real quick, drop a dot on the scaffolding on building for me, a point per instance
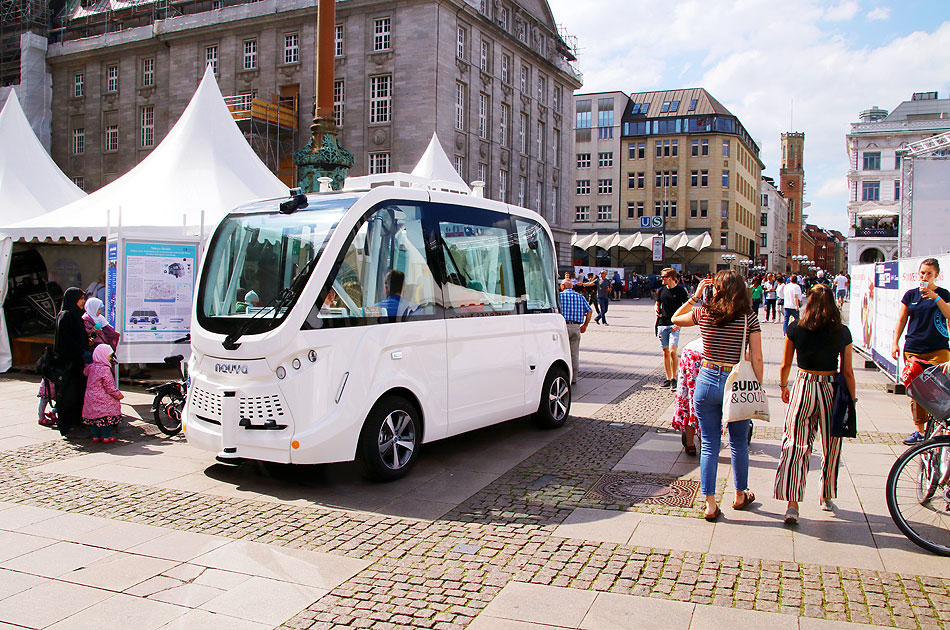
(270, 127)
(18, 17)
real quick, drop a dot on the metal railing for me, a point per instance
(876, 232)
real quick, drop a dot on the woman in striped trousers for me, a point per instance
(818, 339)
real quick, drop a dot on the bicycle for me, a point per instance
(169, 401)
(918, 486)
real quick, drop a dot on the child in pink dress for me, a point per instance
(101, 409)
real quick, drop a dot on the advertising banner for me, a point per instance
(158, 288)
(112, 279)
(875, 307)
(861, 307)
(887, 304)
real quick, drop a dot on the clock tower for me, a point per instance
(792, 186)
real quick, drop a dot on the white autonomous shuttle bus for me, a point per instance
(364, 323)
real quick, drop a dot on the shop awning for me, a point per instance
(878, 212)
(700, 242)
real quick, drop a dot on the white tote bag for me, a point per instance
(744, 397)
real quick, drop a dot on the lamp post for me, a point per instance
(323, 156)
(746, 264)
(729, 258)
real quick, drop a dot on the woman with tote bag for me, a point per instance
(818, 339)
(722, 310)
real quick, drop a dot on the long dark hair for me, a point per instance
(730, 300)
(820, 310)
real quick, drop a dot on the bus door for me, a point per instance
(484, 345)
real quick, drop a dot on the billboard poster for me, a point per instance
(861, 307)
(887, 300)
(158, 288)
(112, 278)
(876, 293)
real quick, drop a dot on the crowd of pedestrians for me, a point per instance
(726, 308)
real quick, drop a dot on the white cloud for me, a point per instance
(880, 13)
(841, 12)
(758, 57)
(832, 187)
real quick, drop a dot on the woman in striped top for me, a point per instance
(723, 315)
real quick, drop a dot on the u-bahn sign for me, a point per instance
(647, 223)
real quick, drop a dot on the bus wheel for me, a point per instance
(390, 439)
(555, 399)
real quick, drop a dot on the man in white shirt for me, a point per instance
(841, 289)
(793, 301)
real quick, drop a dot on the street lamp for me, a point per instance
(729, 258)
(745, 266)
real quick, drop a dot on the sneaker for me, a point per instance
(96, 440)
(673, 384)
(667, 382)
(913, 438)
(791, 516)
(827, 505)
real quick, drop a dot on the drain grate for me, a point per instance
(634, 489)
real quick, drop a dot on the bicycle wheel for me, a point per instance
(167, 411)
(918, 497)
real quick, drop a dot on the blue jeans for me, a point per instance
(603, 303)
(789, 313)
(708, 402)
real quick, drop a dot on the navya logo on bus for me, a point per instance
(230, 368)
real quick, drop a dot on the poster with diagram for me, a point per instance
(159, 286)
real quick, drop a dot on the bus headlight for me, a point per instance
(281, 372)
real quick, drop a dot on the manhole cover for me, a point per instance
(629, 489)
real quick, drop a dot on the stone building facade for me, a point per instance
(773, 230)
(682, 156)
(874, 171)
(492, 79)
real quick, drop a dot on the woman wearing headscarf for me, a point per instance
(97, 326)
(69, 345)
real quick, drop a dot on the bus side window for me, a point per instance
(383, 274)
(537, 261)
(479, 275)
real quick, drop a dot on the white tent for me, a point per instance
(202, 169)
(434, 165)
(30, 182)
(204, 165)
(30, 185)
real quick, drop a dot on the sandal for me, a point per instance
(689, 448)
(747, 498)
(712, 518)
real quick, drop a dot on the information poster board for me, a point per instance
(876, 292)
(861, 307)
(112, 279)
(887, 292)
(657, 249)
(158, 290)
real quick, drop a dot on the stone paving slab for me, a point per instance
(443, 568)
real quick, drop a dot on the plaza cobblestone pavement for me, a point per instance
(493, 529)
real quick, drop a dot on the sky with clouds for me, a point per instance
(803, 65)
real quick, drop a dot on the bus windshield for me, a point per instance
(258, 262)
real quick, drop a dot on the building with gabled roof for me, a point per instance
(681, 155)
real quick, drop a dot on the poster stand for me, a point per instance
(150, 289)
(876, 292)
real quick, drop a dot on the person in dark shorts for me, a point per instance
(669, 298)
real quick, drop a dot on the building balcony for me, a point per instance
(875, 232)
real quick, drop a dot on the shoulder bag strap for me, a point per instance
(745, 329)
